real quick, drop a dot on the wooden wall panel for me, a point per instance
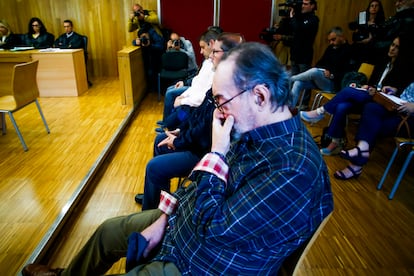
(105, 23)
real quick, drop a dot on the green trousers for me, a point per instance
(109, 243)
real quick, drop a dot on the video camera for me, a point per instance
(295, 4)
(176, 43)
(267, 34)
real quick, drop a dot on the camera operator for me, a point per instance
(152, 49)
(366, 30)
(139, 16)
(177, 43)
(304, 26)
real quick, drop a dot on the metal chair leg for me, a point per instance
(17, 131)
(43, 117)
(401, 174)
(3, 123)
(384, 175)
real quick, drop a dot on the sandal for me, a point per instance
(355, 174)
(358, 160)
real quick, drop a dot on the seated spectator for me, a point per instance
(70, 39)
(252, 202)
(198, 85)
(366, 32)
(391, 78)
(376, 122)
(153, 47)
(37, 35)
(8, 39)
(181, 109)
(328, 71)
(179, 43)
(177, 152)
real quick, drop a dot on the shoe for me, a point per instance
(336, 150)
(304, 116)
(358, 160)
(341, 176)
(40, 270)
(160, 123)
(139, 198)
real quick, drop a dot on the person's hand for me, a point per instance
(327, 73)
(169, 140)
(221, 132)
(132, 15)
(138, 41)
(389, 90)
(177, 101)
(169, 44)
(371, 90)
(406, 108)
(179, 84)
(154, 233)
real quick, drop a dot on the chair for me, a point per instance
(290, 265)
(174, 65)
(364, 68)
(23, 91)
(400, 143)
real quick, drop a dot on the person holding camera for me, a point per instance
(304, 25)
(366, 29)
(177, 43)
(152, 45)
(139, 17)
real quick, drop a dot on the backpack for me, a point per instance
(353, 77)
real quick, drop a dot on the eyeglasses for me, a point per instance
(218, 51)
(220, 106)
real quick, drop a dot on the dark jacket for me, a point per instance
(337, 61)
(402, 22)
(75, 41)
(43, 41)
(11, 41)
(304, 27)
(399, 77)
(195, 131)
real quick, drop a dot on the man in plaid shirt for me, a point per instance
(259, 194)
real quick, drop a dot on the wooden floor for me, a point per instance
(367, 234)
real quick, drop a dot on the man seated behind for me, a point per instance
(177, 43)
(329, 70)
(70, 39)
(255, 198)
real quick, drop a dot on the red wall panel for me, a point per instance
(188, 18)
(247, 19)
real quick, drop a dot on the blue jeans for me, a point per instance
(377, 122)
(312, 78)
(169, 99)
(348, 100)
(165, 165)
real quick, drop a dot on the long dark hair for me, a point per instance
(30, 28)
(380, 17)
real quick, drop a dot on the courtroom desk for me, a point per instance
(131, 75)
(61, 72)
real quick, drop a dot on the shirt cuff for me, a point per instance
(213, 163)
(168, 203)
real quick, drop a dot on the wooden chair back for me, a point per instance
(24, 84)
